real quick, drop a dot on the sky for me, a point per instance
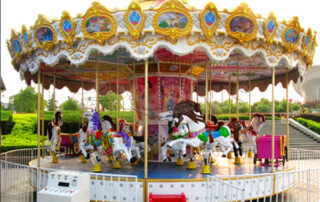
(15, 13)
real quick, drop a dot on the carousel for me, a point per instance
(167, 54)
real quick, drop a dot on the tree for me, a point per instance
(50, 106)
(26, 101)
(70, 104)
(263, 106)
(105, 101)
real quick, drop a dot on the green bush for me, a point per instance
(313, 117)
(241, 117)
(312, 125)
(6, 121)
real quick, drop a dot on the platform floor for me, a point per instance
(166, 170)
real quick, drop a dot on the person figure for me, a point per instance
(53, 132)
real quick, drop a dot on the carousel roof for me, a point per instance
(167, 33)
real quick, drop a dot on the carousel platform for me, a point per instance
(166, 170)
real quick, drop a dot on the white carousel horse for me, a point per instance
(105, 141)
(252, 131)
(188, 116)
(175, 133)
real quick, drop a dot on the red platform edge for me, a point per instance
(167, 197)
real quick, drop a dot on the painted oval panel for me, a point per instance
(26, 38)
(67, 27)
(172, 20)
(210, 18)
(16, 46)
(241, 24)
(291, 36)
(98, 24)
(134, 18)
(44, 34)
(306, 41)
(271, 26)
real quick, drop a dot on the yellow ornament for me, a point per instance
(245, 11)
(172, 30)
(133, 6)
(242, 34)
(95, 10)
(271, 41)
(134, 33)
(209, 33)
(173, 6)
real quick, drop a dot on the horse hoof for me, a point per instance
(88, 156)
(133, 159)
(224, 156)
(184, 155)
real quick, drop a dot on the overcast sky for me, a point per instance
(15, 13)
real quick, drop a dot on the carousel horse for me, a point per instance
(190, 122)
(252, 131)
(174, 133)
(136, 148)
(53, 135)
(104, 140)
(235, 127)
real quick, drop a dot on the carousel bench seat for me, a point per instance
(167, 197)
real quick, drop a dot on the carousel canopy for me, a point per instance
(174, 37)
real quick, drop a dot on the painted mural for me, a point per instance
(169, 93)
(210, 18)
(241, 24)
(67, 27)
(44, 34)
(16, 45)
(134, 18)
(172, 20)
(98, 24)
(153, 99)
(291, 36)
(271, 27)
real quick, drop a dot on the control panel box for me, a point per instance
(65, 186)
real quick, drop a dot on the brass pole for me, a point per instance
(237, 95)
(146, 120)
(54, 91)
(191, 86)
(180, 90)
(229, 96)
(273, 120)
(118, 102)
(38, 117)
(287, 95)
(82, 101)
(249, 98)
(134, 96)
(97, 85)
(207, 109)
(110, 96)
(42, 116)
(210, 89)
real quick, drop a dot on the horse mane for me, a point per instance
(108, 118)
(188, 108)
(260, 116)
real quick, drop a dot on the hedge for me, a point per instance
(6, 121)
(312, 125)
(241, 117)
(313, 117)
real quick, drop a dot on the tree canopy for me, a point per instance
(105, 101)
(70, 104)
(26, 101)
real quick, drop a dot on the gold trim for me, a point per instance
(98, 10)
(269, 38)
(177, 7)
(27, 46)
(135, 32)
(68, 39)
(41, 22)
(295, 25)
(209, 32)
(242, 11)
